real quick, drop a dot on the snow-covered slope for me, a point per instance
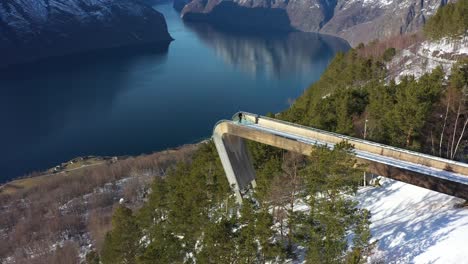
(31, 29)
(415, 225)
(421, 58)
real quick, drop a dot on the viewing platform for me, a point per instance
(430, 172)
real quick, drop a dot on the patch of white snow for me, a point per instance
(415, 225)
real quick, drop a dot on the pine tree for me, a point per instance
(219, 242)
(247, 238)
(92, 258)
(414, 102)
(155, 209)
(163, 246)
(181, 215)
(121, 244)
(330, 176)
(381, 102)
(449, 21)
(269, 250)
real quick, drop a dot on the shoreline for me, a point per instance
(32, 179)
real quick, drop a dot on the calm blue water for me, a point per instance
(127, 103)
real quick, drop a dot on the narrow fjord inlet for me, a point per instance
(141, 100)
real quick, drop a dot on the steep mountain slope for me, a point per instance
(366, 20)
(355, 20)
(32, 29)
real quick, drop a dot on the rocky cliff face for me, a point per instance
(355, 20)
(366, 20)
(34, 29)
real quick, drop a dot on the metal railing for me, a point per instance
(348, 138)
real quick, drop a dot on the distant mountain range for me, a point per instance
(354, 20)
(34, 29)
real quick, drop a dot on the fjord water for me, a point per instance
(127, 103)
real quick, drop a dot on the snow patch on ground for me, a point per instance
(424, 57)
(371, 3)
(445, 45)
(377, 2)
(415, 225)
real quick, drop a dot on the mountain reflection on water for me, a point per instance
(276, 55)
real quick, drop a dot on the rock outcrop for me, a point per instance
(35, 29)
(355, 20)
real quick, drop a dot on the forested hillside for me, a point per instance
(191, 216)
(414, 113)
(449, 21)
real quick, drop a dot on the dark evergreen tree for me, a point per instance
(449, 21)
(121, 244)
(330, 177)
(92, 258)
(248, 246)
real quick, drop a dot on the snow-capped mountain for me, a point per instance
(32, 29)
(355, 20)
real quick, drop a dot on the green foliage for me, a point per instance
(219, 242)
(335, 171)
(247, 236)
(148, 215)
(330, 102)
(449, 21)
(183, 202)
(330, 177)
(381, 101)
(265, 175)
(190, 214)
(121, 244)
(389, 54)
(459, 76)
(413, 104)
(163, 246)
(263, 229)
(92, 258)
(354, 89)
